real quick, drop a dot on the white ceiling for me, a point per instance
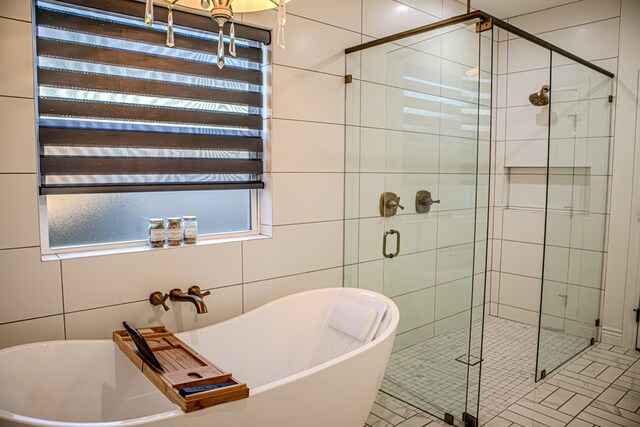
(508, 8)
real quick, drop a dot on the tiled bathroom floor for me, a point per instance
(601, 387)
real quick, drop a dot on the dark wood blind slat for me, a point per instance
(143, 87)
(105, 138)
(78, 189)
(139, 113)
(137, 34)
(128, 166)
(93, 54)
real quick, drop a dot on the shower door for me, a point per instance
(578, 176)
(417, 155)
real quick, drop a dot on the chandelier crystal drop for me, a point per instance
(222, 13)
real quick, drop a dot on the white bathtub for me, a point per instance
(296, 365)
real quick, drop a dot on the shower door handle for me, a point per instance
(384, 244)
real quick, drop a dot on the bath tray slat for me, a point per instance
(183, 367)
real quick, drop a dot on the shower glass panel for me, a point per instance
(578, 176)
(416, 206)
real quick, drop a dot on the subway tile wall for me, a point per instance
(590, 29)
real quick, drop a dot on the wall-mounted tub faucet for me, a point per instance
(157, 298)
(194, 296)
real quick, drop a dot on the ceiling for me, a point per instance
(508, 8)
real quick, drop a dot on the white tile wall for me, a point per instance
(305, 151)
(588, 28)
(19, 227)
(16, 43)
(289, 253)
(115, 279)
(18, 140)
(16, 9)
(306, 141)
(36, 283)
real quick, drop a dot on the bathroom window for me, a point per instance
(130, 129)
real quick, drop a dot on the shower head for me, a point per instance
(540, 99)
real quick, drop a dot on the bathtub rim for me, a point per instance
(388, 333)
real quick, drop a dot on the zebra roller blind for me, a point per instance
(121, 112)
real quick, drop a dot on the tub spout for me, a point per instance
(194, 296)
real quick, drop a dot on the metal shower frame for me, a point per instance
(486, 22)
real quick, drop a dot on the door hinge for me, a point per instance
(348, 78)
(469, 420)
(597, 322)
(448, 418)
(593, 341)
(485, 25)
(637, 310)
(610, 98)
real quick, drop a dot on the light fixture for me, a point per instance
(222, 11)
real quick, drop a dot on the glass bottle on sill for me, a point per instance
(156, 232)
(174, 231)
(190, 225)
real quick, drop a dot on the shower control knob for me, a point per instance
(393, 204)
(424, 201)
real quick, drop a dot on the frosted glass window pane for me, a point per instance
(88, 219)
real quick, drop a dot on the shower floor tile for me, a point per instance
(428, 376)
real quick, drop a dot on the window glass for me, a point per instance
(89, 219)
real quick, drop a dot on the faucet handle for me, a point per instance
(195, 290)
(157, 298)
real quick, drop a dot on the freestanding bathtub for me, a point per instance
(301, 371)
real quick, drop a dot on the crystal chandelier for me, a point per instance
(222, 12)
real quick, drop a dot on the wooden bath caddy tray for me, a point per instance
(183, 367)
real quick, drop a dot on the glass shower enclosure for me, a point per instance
(417, 191)
(578, 175)
(418, 206)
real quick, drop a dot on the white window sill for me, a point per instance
(136, 247)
